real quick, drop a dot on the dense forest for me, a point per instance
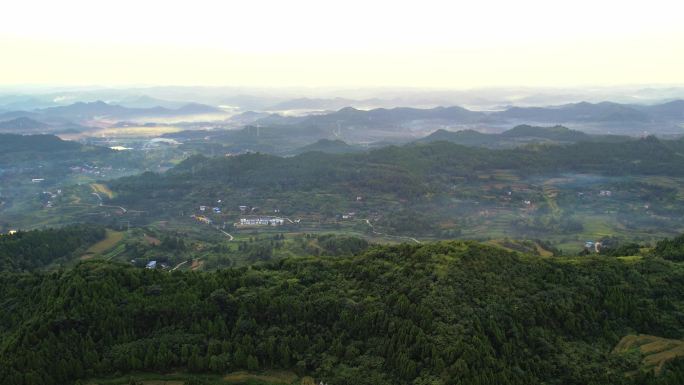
(672, 249)
(29, 250)
(442, 313)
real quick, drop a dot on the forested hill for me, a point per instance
(16, 148)
(406, 171)
(25, 251)
(38, 143)
(439, 314)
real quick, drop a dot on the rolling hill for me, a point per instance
(440, 313)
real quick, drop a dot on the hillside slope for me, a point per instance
(443, 313)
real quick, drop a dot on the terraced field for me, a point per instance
(655, 351)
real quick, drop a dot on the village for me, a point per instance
(248, 216)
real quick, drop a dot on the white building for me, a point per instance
(262, 221)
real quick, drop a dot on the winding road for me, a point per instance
(389, 235)
(230, 237)
(104, 205)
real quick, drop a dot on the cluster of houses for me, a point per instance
(50, 196)
(154, 265)
(88, 169)
(602, 193)
(246, 220)
(216, 210)
(262, 221)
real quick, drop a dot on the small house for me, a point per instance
(151, 265)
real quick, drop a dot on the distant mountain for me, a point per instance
(594, 117)
(246, 118)
(381, 117)
(26, 102)
(144, 101)
(519, 135)
(312, 104)
(330, 104)
(194, 109)
(330, 146)
(671, 110)
(9, 115)
(400, 115)
(578, 112)
(556, 133)
(23, 124)
(100, 109)
(86, 110)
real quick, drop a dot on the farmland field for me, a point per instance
(112, 239)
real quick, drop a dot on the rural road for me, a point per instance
(230, 237)
(388, 235)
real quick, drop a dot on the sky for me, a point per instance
(343, 43)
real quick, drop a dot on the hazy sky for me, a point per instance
(425, 43)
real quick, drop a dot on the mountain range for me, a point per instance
(602, 117)
(519, 135)
(71, 117)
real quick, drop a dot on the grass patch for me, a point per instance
(274, 377)
(236, 378)
(631, 258)
(102, 189)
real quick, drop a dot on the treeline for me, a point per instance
(438, 314)
(29, 250)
